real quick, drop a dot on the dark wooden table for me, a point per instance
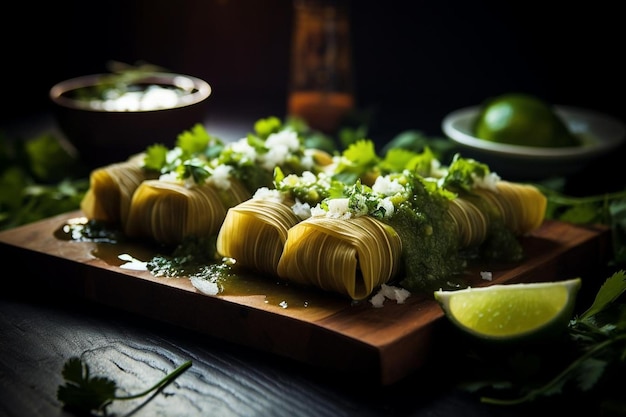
(40, 329)
(40, 332)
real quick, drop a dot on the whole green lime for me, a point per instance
(522, 119)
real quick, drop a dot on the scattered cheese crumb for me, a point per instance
(338, 208)
(487, 276)
(386, 186)
(242, 147)
(302, 210)
(204, 286)
(280, 146)
(317, 211)
(220, 177)
(268, 194)
(133, 264)
(489, 181)
(378, 300)
(389, 292)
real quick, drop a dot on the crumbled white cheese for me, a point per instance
(171, 177)
(378, 300)
(243, 148)
(387, 205)
(386, 186)
(307, 161)
(302, 210)
(287, 138)
(338, 208)
(205, 286)
(220, 177)
(486, 275)
(268, 194)
(280, 146)
(317, 211)
(391, 293)
(133, 264)
(395, 293)
(488, 182)
(308, 177)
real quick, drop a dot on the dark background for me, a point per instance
(414, 61)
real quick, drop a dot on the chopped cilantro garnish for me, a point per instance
(463, 172)
(156, 157)
(265, 127)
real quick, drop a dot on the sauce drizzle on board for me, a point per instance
(381, 345)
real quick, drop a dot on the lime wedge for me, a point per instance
(511, 311)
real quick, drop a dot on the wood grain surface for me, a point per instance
(382, 345)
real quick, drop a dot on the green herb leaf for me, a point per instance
(194, 140)
(83, 393)
(39, 178)
(462, 172)
(356, 161)
(265, 127)
(156, 157)
(610, 291)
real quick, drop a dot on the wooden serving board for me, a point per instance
(382, 344)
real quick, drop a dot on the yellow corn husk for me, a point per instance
(111, 189)
(471, 222)
(522, 207)
(254, 233)
(168, 212)
(348, 256)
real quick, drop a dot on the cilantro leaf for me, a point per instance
(359, 159)
(610, 291)
(156, 157)
(194, 140)
(265, 127)
(462, 172)
(83, 393)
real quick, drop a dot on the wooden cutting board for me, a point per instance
(381, 344)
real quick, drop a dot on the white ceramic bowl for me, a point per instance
(599, 133)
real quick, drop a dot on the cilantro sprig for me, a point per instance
(83, 393)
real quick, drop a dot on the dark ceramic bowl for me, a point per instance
(138, 112)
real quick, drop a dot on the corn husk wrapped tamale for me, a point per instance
(254, 233)
(168, 212)
(347, 256)
(520, 208)
(111, 189)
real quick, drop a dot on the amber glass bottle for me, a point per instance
(321, 84)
